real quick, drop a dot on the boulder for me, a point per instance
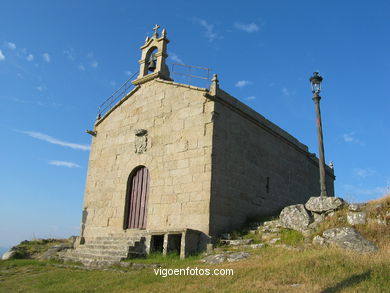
(9, 254)
(321, 204)
(356, 218)
(51, 253)
(295, 217)
(348, 238)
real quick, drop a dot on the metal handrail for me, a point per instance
(118, 94)
(190, 75)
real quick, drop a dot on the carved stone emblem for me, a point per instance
(141, 141)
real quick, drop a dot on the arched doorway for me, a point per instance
(137, 199)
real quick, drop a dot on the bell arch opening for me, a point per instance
(137, 195)
(151, 60)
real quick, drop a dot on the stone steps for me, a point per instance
(105, 250)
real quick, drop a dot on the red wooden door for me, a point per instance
(138, 203)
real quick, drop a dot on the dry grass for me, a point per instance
(267, 270)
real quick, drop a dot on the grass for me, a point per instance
(171, 259)
(268, 269)
(291, 237)
(33, 248)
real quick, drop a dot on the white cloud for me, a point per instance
(11, 45)
(249, 27)
(64, 164)
(251, 98)
(363, 173)
(286, 92)
(53, 140)
(70, 54)
(46, 57)
(81, 67)
(175, 58)
(375, 192)
(209, 31)
(350, 138)
(30, 57)
(128, 73)
(94, 64)
(242, 83)
(2, 57)
(40, 88)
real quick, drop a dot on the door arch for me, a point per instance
(136, 207)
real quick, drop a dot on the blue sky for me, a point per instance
(60, 59)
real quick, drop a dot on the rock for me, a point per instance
(273, 241)
(222, 257)
(214, 259)
(318, 240)
(237, 256)
(51, 253)
(273, 223)
(355, 207)
(377, 221)
(9, 254)
(289, 247)
(348, 238)
(236, 242)
(295, 217)
(225, 236)
(254, 246)
(329, 214)
(318, 218)
(356, 218)
(322, 204)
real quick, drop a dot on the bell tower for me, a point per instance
(153, 55)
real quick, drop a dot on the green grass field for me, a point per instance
(267, 270)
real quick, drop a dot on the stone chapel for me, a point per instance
(173, 165)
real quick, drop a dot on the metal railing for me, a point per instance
(192, 72)
(116, 96)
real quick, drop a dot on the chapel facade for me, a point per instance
(173, 159)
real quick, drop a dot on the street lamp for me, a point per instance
(315, 81)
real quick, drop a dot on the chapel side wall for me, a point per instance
(178, 156)
(244, 156)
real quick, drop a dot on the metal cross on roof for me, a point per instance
(156, 27)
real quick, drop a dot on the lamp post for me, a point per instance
(315, 81)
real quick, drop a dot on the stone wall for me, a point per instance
(258, 168)
(178, 155)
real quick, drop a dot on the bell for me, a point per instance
(152, 63)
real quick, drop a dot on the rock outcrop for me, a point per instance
(323, 204)
(348, 238)
(295, 217)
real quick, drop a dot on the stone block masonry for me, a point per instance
(177, 155)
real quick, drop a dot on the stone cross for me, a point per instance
(156, 27)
